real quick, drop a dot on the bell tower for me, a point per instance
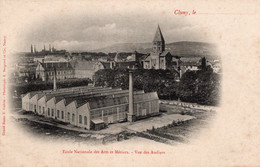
(158, 41)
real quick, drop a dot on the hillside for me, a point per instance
(183, 48)
(125, 47)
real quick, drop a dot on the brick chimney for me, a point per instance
(130, 115)
(54, 80)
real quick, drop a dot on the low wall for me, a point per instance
(185, 104)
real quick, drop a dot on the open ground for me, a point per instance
(175, 124)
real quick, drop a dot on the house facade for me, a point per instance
(45, 71)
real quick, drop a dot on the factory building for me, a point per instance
(92, 107)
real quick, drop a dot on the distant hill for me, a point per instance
(183, 48)
(125, 47)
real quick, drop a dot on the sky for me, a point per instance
(93, 30)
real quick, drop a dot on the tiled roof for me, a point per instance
(85, 65)
(63, 90)
(57, 65)
(73, 97)
(97, 121)
(190, 61)
(75, 93)
(110, 100)
(164, 53)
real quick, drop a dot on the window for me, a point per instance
(52, 112)
(43, 110)
(68, 116)
(85, 120)
(58, 113)
(62, 114)
(80, 119)
(39, 108)
(48, 111)
(153, 62)
(73, 117)
(35, 108)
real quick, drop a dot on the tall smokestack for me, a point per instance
(131, 116)
(31, 48)
(49, 47)
(35, 49)
(54, 80)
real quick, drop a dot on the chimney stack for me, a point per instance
(54, 80)
(49, 47)
(35, 49)
(31, 48)
(130, 115)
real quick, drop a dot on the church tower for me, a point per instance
(158, 41)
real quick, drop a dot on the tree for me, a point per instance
(188, 86)
(200, 87)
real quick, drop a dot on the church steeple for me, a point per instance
(158, 41)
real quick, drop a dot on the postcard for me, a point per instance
(129, 83)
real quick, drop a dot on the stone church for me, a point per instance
(158, 58)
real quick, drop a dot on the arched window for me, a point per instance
(73, 117)
(80, 119)
(85, 120)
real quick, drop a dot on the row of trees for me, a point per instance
(200, 87)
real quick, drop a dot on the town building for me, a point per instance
(159, 58)
(39, 59)
(45, 71)
(92, 107)
(215, 65)
(192, 64)
(86, 69)
(50, 58)
(125, 60)
(25, 70)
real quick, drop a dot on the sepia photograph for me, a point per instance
(129, 81)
